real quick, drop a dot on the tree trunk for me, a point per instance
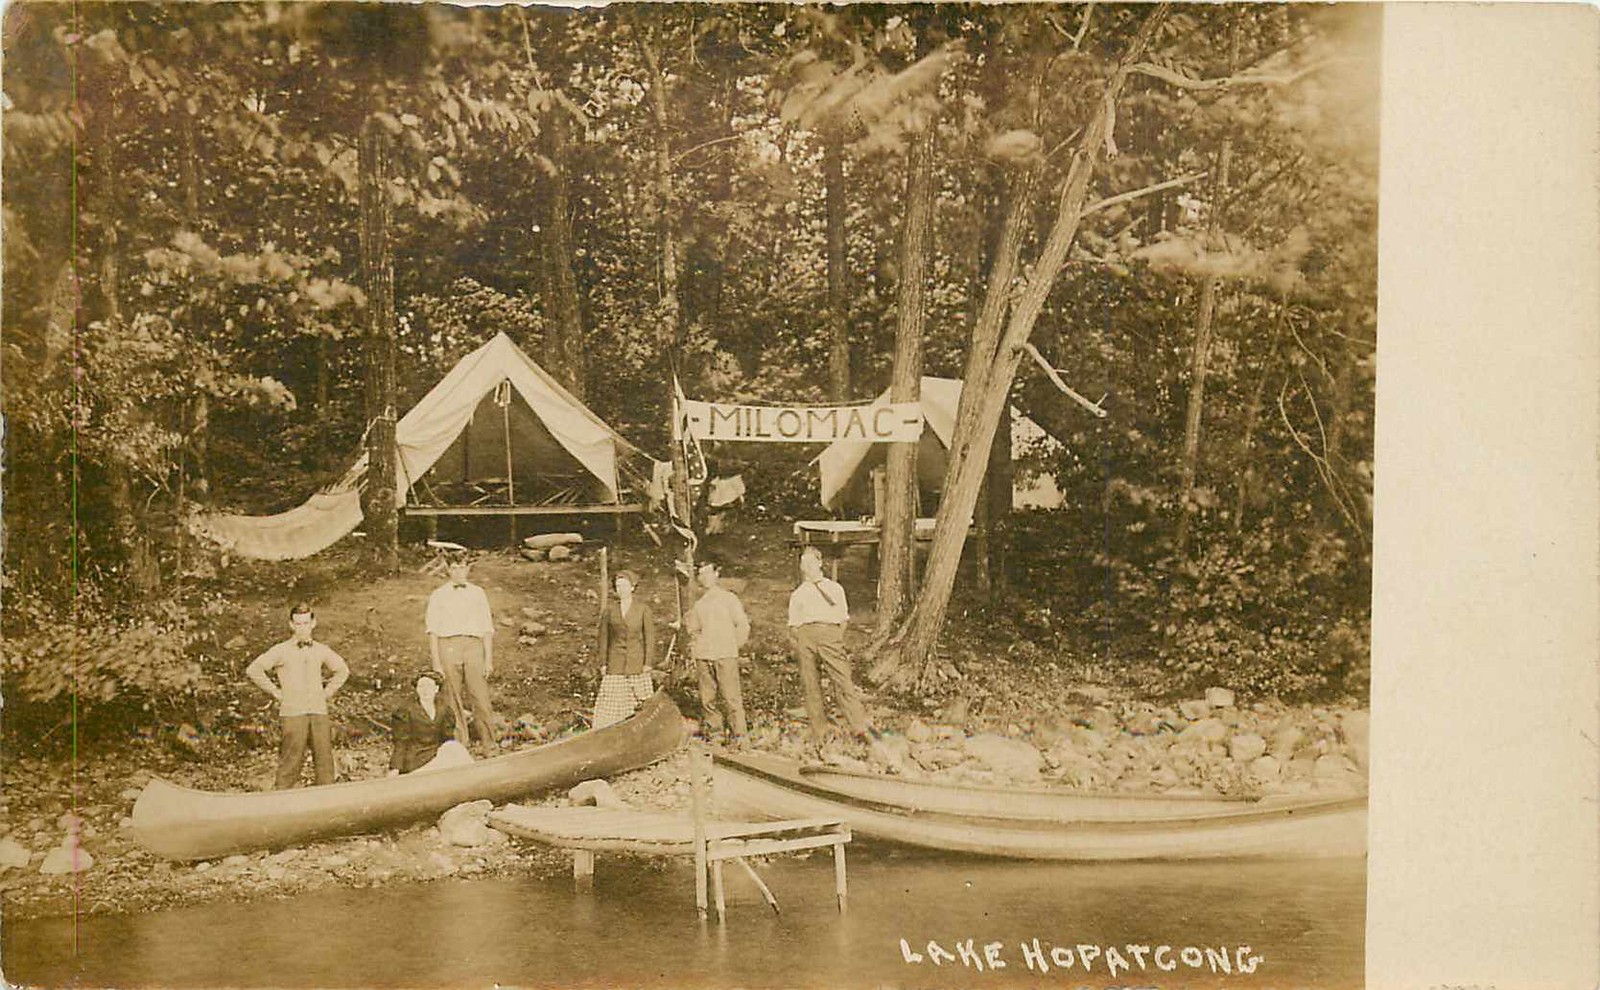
(197, 446)
(898, 542)
(1252, 418)
(669, 307)
(987, 391)
(564, 345)
(377, 269)
(1200, 359)
(838, 296)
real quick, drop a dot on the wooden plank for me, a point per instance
(767, 847)
(521, 510)
(838, 874)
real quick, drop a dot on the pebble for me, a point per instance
(1219, 697)
(236, 860)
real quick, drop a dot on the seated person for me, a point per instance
(422, 734)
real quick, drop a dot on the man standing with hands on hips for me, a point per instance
(302, 697)
(461, 644)
(818, 613)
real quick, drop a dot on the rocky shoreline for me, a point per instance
(57, 818)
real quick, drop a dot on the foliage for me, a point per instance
(197, 342)
(101, 656)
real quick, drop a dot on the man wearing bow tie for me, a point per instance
(461, 644)
(302, 697)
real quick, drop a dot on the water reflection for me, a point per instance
(639, 927)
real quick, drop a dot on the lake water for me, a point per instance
(638, 927)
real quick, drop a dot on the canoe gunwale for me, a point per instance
(1251, 815)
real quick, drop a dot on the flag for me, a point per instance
(694, 459)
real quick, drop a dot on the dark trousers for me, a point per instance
(722, 675)
(297, 729)
(823, 643)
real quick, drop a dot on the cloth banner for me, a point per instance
(878, 422)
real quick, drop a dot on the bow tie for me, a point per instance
(304, 646)
(462, 585)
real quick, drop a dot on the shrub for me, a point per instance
(98, 656)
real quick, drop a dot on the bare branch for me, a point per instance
(1248, 77)
(1055, 378)
(1083, 28)
(680, 156)
(1137, 193)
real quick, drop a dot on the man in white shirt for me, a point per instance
(461, 644)
(302, 697)
(818, 613)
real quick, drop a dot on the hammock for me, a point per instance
(322, 521)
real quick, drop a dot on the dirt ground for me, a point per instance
(1089, 730)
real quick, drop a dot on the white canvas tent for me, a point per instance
(846, 465)
(495, 417)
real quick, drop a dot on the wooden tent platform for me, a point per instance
(588, 830)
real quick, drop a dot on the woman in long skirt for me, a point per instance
(627, 649)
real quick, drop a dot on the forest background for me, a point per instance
(236, 235)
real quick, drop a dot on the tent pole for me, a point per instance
(511, 478)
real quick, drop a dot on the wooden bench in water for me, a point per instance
(588, 830)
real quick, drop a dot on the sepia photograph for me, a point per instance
(693, 495)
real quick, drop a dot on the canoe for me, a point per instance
(1044, 804)
(186, 824)
(1308, 826)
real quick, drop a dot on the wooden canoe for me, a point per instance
(186, 824)
(1044, 804)
(1302, 827)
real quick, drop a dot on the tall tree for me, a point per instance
(897, 540)
(996, 350)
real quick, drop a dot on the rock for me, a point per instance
(595, 792)
(1246, 747)
(13, 854)
(545, 541)
(69, 822)
(285, 856)
(1218, 697)
(1194, 711)
(236, 643)
(125, 823)
(1088, 740)
(890, 751)
(560, 553)
(918, 731)
(1207, 730)
(937, 757)
(1286, 741)
(955, 713)
(236, 860)
(131, 794)
(1265, 769)
(335, 860)
(276, 872)
(1355, 728)
(531, 628)
(69, 857)
(202, 867)
(1094, 692)
(533, 555)
(465, 825)
(1009, 757)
